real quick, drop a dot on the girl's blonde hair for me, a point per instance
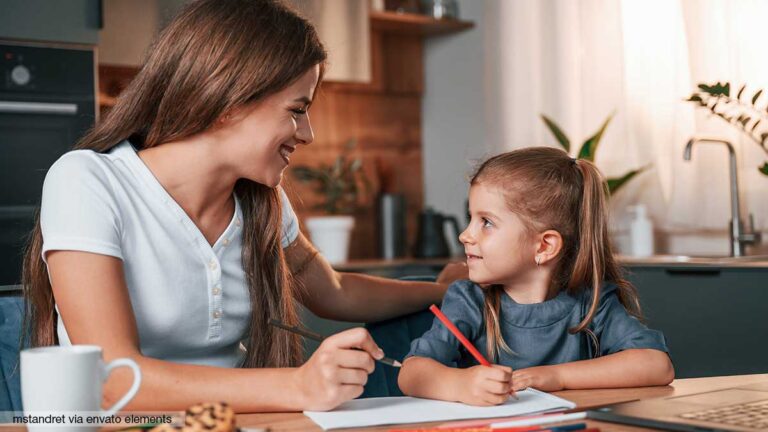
(549, 190)
(216, 55)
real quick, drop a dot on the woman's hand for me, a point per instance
(338, 370)
(486, 385)
(544, 378)
(453, 272)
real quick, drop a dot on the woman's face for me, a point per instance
(259, 139)
(498, 247)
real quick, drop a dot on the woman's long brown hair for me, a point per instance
(551, 191)
(216, 55)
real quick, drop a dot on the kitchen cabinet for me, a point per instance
(72, 21)
(715, 319)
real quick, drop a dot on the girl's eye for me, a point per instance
(487, 223)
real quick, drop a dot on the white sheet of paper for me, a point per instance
(401, 410)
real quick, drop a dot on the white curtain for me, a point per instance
(579, 61)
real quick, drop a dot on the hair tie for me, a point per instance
(573, 160)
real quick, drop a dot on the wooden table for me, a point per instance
(584, 399)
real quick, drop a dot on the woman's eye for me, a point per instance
(298, 112)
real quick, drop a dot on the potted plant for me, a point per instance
(637, 240)
(741, 111)
(342, 185)
(589, 149)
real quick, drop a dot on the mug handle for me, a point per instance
(123, 362)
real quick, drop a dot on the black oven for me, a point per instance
(47, 102)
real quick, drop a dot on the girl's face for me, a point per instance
(498, 247)
(259, 139)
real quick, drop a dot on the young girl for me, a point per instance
(546, 301)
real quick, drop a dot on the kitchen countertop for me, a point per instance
(660, 261)
(681, 261)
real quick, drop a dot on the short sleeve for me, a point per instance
(290, 223)
(618, 330)
(78, 209)
(463, 305)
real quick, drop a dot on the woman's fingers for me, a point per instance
(351, 391)
(356, 338)
(352, 376)
(355, 359)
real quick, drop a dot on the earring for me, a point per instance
(538, 260)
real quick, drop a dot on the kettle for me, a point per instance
(430, 239)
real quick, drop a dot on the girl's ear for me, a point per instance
(549, 245)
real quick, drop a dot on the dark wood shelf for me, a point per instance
(414, 24)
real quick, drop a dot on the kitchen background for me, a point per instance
(423, 99)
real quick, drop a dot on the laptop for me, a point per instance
(742, 408)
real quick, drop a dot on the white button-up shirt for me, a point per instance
(190, 299)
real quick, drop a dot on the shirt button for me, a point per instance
(212, 264)
(216, 290)
(217, 314)
(238, 222)
(226, 242)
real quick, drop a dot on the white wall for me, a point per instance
(453, 130)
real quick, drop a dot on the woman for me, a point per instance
(166, 237)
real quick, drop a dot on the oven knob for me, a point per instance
(20, 75)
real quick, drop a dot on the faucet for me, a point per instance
(739, 237)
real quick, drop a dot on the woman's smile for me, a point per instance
(285, 153)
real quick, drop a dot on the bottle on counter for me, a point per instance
(640, 232)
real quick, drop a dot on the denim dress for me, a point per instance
(536, 333)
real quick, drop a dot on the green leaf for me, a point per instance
(741, 90)
(764, 169)
(589, 148)
(694, 98)
(614, 184)
(756, 96)
(557, 132)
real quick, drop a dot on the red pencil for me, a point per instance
(464, 341)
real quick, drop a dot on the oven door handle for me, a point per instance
(12, 107)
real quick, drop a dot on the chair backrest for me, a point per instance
(394, 336)
(11, 313)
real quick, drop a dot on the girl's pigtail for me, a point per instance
(594, 249)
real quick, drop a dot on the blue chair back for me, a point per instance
(11, 313)
(394, 336)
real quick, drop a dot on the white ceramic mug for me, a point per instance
(69, 379)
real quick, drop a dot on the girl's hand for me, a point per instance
(544, 378)
(338, 370)
(485, 385)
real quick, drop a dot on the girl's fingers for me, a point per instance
(520, 384)
(495, 399)
(500, 373)
(498, 388)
